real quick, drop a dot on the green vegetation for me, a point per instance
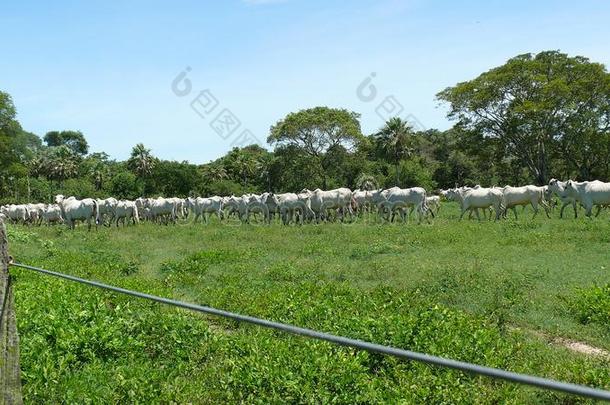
(533, 118)
(497, 294)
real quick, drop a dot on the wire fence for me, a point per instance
(540, 382)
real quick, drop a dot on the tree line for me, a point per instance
(535, 117)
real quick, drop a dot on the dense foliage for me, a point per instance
(463, 290)
(535, 117)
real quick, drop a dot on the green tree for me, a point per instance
(141, 162)
(395, 142)
(74, 140)
(538, 106)
(315, 131)
(62, 164)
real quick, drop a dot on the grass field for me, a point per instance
(507, 294)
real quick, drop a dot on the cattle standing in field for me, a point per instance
(35, 212)
(434, 204)
(398, 198)
(73, 210)
(559, 189)
(589, 194)
(16, 213)
(125, 212)
(321, 202)
(525, 195)
(202, 207)
(292, 206)
(106, 210)
(52, 215)
(474, 198)
(163, 210)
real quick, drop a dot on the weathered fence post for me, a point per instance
(10, 379)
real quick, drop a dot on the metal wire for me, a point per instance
(540, 382)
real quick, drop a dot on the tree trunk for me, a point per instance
(398, 174)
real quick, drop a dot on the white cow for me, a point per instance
(258, 204)
(524, 195)
(589, 193)
(559, 189)
(399, 198)
(237, 205)
(35, 212)
(201, 207)
(17, 213)
(434, 204)
(292, 205)
(339, 199)
(106, 210)
(73, 210)
(163, 209)
(181, 208)
(362, 200)
(52, 214)
(473, 198)
(126, 211)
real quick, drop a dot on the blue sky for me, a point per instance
(106, 68)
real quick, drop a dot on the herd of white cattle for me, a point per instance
(314, 206)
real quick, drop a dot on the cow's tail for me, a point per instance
(96, 212)
(424, 205)
(136, 215)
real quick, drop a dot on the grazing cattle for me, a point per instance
(181, 206)
(473, 198)
(163, 209)
(559, 189)
(292, 205)
(258, 204)
(52, 214)
(589, 194)
(35, 212)
(16, 213)
(434, 204)
(106, 210)
(399, 198)
(201, 207)
(525, 195)
(238, 205)
(126, 211)
(73, 210)
(321, 201)
(362, 201)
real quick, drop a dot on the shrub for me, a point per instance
(592, 305)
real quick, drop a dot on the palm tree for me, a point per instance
(395, 141)
(263, 166)
(245, 166)
(214, 172)
(141, 162)
(62, 164)
(366, 182)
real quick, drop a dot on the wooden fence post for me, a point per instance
(10, 378)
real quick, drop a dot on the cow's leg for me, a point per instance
(599, 208)
(535, 208)
(588, 209)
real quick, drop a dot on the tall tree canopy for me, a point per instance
(141, 161)
(394, 141)
(315, 131)
(74, 140)
(318, 129)
(540, 106)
